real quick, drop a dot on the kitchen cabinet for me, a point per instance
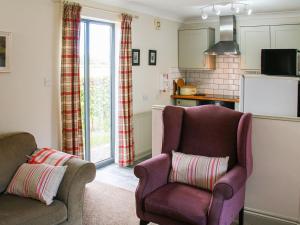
(252, 40)
(285, 36)
(192, 44)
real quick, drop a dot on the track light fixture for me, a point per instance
(235, 6)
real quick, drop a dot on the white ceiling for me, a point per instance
(188, 9)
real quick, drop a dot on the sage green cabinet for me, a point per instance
(252, 41)
(255, 38)
(285, 36)
(192, 44)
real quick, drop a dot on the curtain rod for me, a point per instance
(104, 10)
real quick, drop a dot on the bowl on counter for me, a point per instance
(188, 90)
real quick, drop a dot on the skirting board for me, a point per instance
(143, 155)
(258, 218)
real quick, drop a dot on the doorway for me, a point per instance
(97, 69)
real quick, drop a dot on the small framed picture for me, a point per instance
(5, 45)
(135, 57)
(152, 57)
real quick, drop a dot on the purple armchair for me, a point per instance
(205, 130)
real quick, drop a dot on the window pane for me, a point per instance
(82, 76)
(100, 91)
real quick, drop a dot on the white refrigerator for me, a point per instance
(269, 95)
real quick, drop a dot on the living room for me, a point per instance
(103, 100)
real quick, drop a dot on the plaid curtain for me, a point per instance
(126, 144)
(70, 81)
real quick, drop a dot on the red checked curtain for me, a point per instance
(70, 81)
(126, 144)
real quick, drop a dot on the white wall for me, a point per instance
(26, 103)
(274, 187)
(146, 78)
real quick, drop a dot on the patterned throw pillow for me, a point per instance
(199, 171)
(49, 156)
(37, 181)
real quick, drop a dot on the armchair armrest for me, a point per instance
(230, 183)
(71, 190)
(225, 189)
(153, 173)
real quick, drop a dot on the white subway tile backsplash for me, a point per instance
(224, 76)
(227, 71)
(228, 92)
(228, 60)
(237, 59)
(209, 91)
(237, 82)
(236, 93)
(218, 81)
(225, 80)
(219, 59)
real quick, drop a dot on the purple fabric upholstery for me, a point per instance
(180, 202)
(228, 185)
(244, 144)
(206, 130)
(153, 174)
(172, 117)
(210, 134)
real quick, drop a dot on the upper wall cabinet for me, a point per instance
(192, 44)
(252, 40)
(285, 36)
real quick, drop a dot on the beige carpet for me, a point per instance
(108, 205)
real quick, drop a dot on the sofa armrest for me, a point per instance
(71, 190)
(228, 185)
(153, 173)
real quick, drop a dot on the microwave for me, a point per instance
(280, 62)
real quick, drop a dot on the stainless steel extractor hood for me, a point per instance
(227, 44)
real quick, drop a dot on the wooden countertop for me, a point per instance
(225, 98)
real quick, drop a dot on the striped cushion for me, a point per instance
(38, 181)
(199, 171)
(49, 156)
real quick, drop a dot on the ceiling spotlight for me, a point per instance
(216, 11)
(204, 15)
(237, 10)
(249, 12)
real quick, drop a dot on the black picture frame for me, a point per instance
(136, 56)
(152, 57)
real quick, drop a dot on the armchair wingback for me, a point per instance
(211, 131)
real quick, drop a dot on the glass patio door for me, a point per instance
(97, 90)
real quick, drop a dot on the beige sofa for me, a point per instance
(67, 208)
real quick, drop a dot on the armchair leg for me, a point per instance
(241, 217)
(142, 222)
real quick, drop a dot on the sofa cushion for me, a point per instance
(13, 151)
(179, 202)
(37, 181)
(17, 210)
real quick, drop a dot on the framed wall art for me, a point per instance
(152, 57)
(5, 48)
(135, 57)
